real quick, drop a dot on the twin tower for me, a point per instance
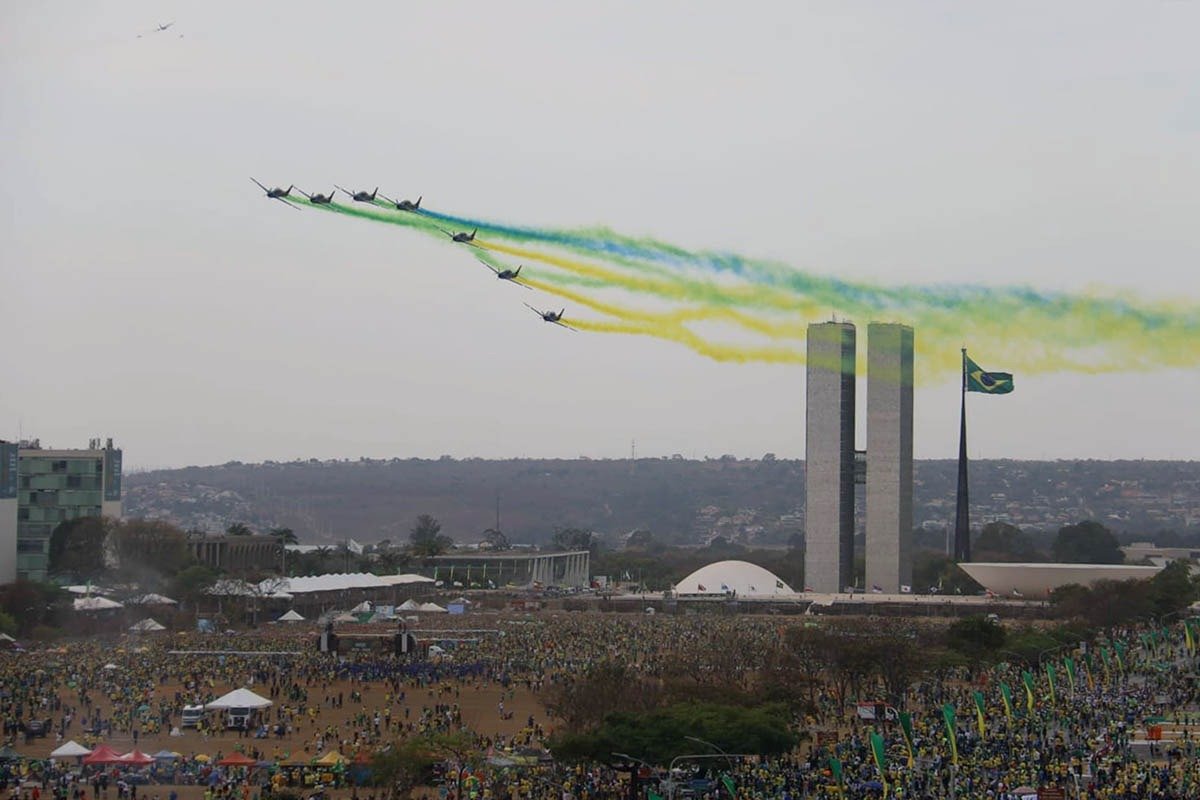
(834, 467)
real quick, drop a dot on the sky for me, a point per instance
(152, 294)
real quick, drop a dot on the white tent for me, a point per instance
(151, 599)
(147, 625)
(434, 607)
(240, 698)
(95, 604)
(71, 749)
(291, 616)
(408, 605)
(345, 618)
(362, 608)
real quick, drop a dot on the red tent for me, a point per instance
(103, 755)
(136, 757)
(237, 760)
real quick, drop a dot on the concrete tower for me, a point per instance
(889, 456)
(829, 458)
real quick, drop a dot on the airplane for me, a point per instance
(318, 199)
(551, 316)
(505, 274)
(277, 193)
(163, 27)
(362, 197)
(405, 205)
(461, 236)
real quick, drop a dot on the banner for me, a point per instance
(1006, 698)
(951, 730)
(1027, 680)
(979, 715)
(880, 753)
(906, 727)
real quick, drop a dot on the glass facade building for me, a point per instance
(55, 486)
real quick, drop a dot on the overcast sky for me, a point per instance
(151, 294)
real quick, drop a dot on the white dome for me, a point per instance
(722, 577)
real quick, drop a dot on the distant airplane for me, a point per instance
(163, 27)
(362, 197)
(277, 193)
(551, 316)
(505, 274)
(318, 199)
(465, 238)
(405, 205)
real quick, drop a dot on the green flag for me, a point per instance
(1069, 663)
(880, 754)
(653, 795)
(1006, 696)
(1050, 674)
(987, 382)
(1027, 679)
(951, 730)
(906, 727)
(835, 766)
(979, 715)
(730, 786)
(1104, 658)
(1120, 648)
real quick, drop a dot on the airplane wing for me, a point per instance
(287, 203)
(343, 191)
(489, 266)
(448, 233)
(265, 189)
(565, 325)
(388, 199)
(534, 310)
(517, 281)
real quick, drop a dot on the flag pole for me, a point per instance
(962, 514)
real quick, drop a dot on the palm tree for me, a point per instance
(238, 529)
(285, 535)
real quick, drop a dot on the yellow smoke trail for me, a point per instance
(681, 335)
(751, 322)
(758, 296)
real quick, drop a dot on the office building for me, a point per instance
(52, 487)
(829, 457)
(889, 456)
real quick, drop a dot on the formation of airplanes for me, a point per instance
(461, 237)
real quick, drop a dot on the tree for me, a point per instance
(1004, 542)
(285, 535)
(573, 539)
(977, 638)
(496, 540)
(8, 623)
(582, 702)
(1088, 542)
(77, 547)
(30, 603)
(188, 585)
(403, 766)
(238, 529)
(149, 551)
(427, 539)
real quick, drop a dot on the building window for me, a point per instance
(74, 482)
(58, 466)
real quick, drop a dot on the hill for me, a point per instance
(681, 501)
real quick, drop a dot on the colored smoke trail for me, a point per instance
(1019, 328)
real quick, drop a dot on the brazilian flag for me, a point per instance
(987, 382)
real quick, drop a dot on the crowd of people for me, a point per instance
(1085, 732)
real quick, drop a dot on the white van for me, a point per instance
(238, 718)
(192, 716)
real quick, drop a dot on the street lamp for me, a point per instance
(707, 743)
(633, 776)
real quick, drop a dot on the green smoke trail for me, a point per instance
(1031, 330)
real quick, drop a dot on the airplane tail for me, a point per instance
(418, 203)
(475, 231)
(518, 272)
(374, 192)
(289, 191)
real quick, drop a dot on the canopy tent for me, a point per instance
(103, 755)
(362, 608)
(71, 749)
(345, 618)
(291, 616)
(8, 754)
(148, 625)
(136, 756)
(166, 755)
(95, 604)
(331, 758)
(152, 599)
(109, 667)
(431, 607)
(237, 760)
(408, 605)
(240, 698)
